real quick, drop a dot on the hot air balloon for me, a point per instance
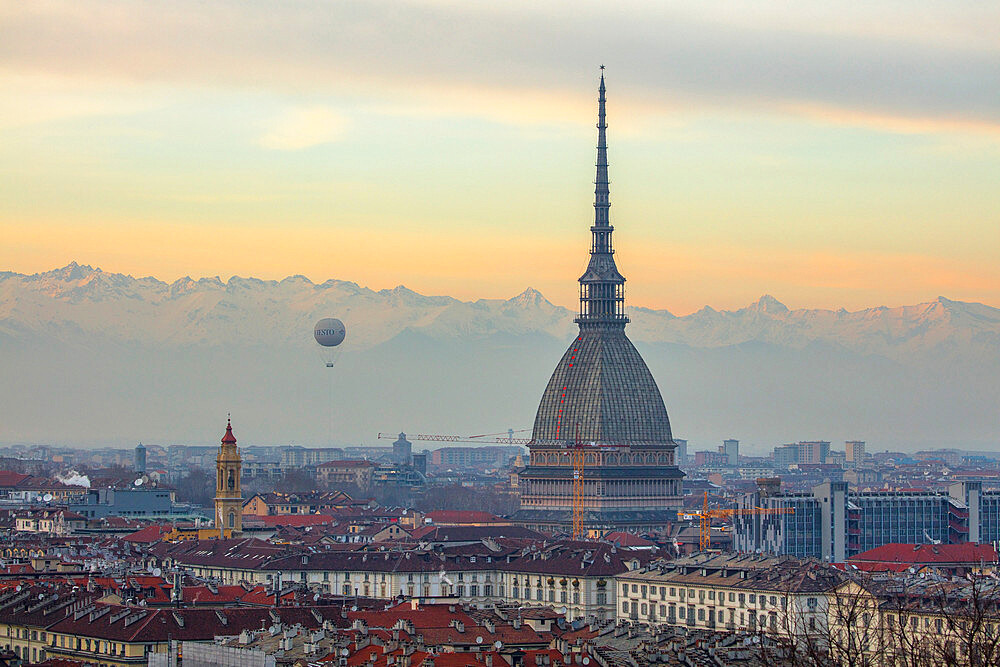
(329, 332)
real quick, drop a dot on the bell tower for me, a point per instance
(228, 495)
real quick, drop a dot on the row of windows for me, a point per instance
(741, 598)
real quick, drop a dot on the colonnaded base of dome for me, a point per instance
(631, 521)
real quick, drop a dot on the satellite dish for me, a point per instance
(586, 660)
(47, 497)
(498, 644)
(157, 572)
(138, 482)
(316, 598)
(479, 640)
(18, 588)
(344, 651)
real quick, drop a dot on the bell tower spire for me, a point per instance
(228, 493)
(602, 287)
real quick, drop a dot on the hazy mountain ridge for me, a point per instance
(89, 301)
(90, 356)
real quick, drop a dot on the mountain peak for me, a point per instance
(72, 271)
(768, 304)
(530, 297)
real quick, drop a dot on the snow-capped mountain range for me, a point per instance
(79, 300)
(468, 364)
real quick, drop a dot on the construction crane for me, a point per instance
(498, 438)
(577, 458)
(706, 515)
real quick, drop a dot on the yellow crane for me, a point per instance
(706, 515)
(576, 457)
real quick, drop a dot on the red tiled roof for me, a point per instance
(928, 553)
(295, 519)
(628, 540)
(11, 478)
(461, 516)
(149, 534)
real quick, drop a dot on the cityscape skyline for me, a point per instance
(833, 156)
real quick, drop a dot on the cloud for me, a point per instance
(915, 62)
(304, 127)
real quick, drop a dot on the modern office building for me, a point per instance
(785, 455)
(603, 399)
(681, 453)
(731, 448)
(140, 459)
(812, 452)
(833, 523)
(855, 452)
(133, 503)
(299, 457)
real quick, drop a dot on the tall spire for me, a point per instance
(602, 203)
(602, 287)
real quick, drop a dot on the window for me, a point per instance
(711, 595)
(642, 591)
(753, 598)
(701, 613)
(774, 600)
(732, 597)
(576, 597)
(635, 588)
(625, 606)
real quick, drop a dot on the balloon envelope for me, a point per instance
(329, 332)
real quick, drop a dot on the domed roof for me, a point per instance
(602, 384)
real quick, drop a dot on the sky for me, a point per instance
(833, 154)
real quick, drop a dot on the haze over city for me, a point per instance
(833, 157)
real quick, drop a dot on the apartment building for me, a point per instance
(832, 523)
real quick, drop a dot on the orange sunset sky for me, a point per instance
(831, 154)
